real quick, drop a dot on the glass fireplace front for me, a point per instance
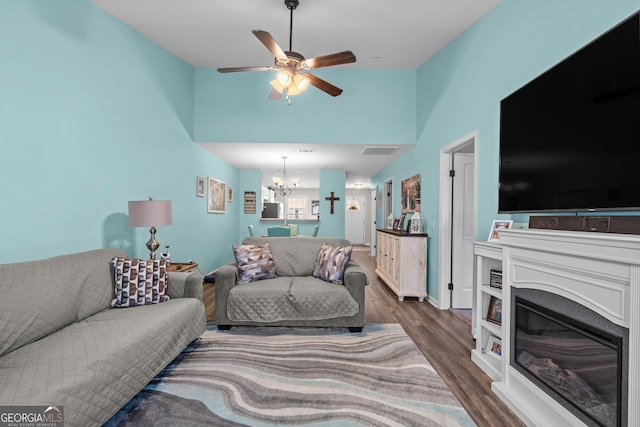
(577, 364)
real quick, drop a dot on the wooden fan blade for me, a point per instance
(328, 60)
(275, 94)
(270, 43)
(323, 85)
(241, 69)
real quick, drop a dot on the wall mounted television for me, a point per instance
(570, 138)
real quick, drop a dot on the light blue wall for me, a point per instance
(93, 115)
(332, 225)
(459, 91)
(376, 107)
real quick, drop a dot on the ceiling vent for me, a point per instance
(378, 151)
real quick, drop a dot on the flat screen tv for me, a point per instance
(570, 138)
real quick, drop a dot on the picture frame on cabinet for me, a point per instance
(217, 202)
(396, 223)
(494, 347)
(401, 223)
(496, 226)
(494, 311)
(200, 186)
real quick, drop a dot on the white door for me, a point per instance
(354, 220)
(463, 231)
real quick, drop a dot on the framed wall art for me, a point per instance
(200, 186)
(230, 194)
(217, 196)
(410, 197)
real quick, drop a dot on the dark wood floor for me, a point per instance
(443, 336)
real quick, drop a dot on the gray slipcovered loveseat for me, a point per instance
(62, 344)
(295, 297)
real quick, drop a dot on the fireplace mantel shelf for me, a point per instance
(600, 271)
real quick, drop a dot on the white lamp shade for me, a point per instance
(150, 213)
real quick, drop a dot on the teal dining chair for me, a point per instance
(315, 231)
(250, 227)
(278, 231)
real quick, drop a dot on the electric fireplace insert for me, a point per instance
(572, 354)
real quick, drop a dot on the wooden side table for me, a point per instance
(182, 266)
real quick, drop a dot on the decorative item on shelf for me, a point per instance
(495, 279)
(496, 226)
(282, 185)
(166, 255)
(150, 213)
(416, 223)
(390, 221)
(332, 199)
(401, 222)
(494, 347)
(396, 223)
(494, 312)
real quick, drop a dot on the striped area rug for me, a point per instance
(297, 376)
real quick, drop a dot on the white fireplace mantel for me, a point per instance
(598, 270)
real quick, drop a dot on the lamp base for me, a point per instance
(152, 244)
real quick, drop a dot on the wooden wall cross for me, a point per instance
(332, 199)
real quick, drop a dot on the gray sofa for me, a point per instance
(294, 297)
(61, 343)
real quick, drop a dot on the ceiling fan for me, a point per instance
(293, 76)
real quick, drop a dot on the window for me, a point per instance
(297, 207)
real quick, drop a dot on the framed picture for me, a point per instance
(200, 185)
(230, 194)
(249, 202)
(401, 224)
(495, 279)
(410, 197)
(396, 223)
(315, 207)
(217, 196)
(499, 224)
(494, 347)
(494, 312)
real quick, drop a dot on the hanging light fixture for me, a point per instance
(281, 182)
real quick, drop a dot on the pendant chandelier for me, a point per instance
(282, 185)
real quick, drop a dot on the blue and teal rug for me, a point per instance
(297, 376)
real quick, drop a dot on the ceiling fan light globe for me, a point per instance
(301, 82)
(284, 78)
(277, 86)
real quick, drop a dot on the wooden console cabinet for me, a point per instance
(402, 263)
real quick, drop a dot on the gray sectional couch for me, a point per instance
(61, 343)
(294, 297)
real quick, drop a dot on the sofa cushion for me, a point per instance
(289, 298)
(95, 366)
(295, 256)
(139, 282)
(331, 262)
(254, 262)
(41, 297)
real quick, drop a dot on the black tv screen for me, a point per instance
(570, 138)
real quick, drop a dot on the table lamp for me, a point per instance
(150, 213)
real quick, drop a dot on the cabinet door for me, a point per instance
(395, 259)
(382, 251)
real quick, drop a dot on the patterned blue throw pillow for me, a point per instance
(331, 262)
(254, 262)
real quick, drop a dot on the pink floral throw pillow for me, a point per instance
(331, 263)
(139, 282)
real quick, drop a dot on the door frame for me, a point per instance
(445, 226)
